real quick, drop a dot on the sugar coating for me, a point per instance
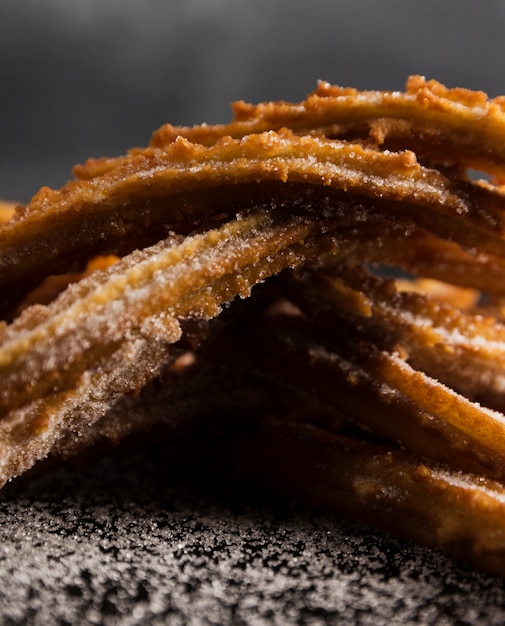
(126, 542)
(80, 354)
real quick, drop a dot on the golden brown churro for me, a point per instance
(121, 304)
(6, 211)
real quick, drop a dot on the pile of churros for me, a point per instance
(326, 277)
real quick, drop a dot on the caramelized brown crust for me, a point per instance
(456, 126)
(191, 186)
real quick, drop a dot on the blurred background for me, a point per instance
(82, 78)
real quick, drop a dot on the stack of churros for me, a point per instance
(326, 277)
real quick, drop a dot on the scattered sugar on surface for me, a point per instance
(126, 543)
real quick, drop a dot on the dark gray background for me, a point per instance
(86, 78)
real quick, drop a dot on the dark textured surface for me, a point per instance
(126, 541)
